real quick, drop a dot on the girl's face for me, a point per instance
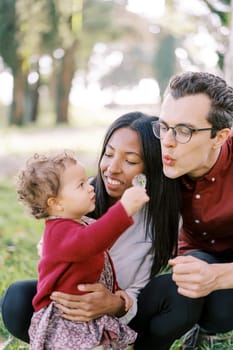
(76, 196)
(122, 160)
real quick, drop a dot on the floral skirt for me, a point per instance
(49, 331)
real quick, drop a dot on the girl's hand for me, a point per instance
(133, 199)
(97, 302)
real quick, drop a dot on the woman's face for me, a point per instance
(122, 160)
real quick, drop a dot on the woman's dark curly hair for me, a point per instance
(40, 180)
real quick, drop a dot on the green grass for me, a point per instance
(19, 234)
(222, 342)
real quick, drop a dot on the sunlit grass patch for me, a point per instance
(19, 234)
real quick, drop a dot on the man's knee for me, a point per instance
(217, 312)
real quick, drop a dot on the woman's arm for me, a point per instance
(97, 302)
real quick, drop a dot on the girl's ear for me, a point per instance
(221, 137)
(54, 203)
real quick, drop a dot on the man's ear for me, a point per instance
(54, 203)
(221, 137)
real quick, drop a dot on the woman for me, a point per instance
(129, 148)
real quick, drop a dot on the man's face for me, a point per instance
(196, 157)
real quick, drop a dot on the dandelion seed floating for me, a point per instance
(139, 180)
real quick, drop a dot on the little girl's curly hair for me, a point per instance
(39, 180)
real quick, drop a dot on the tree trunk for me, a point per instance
(63, 86)
(32, 102)
(18, 105)
(228, 65)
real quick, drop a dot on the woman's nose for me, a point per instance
(114, 166)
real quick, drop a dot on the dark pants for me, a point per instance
(163, 315)
(17, 309)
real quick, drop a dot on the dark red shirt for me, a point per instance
(207, 207)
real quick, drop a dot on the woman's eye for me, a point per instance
(108, 154)
(131, 162)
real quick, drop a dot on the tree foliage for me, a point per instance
(37, 28)
(8, 28)
(29, 30)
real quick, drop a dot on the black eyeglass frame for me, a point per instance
(174, 132)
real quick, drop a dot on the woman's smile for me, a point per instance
(112, 183)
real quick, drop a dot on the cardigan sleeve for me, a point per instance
(70, 241)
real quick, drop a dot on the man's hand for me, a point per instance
(97, 302)
(195, 278)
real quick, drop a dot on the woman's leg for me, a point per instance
(16, 307)
(163, 315)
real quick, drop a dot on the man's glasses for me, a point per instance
(181, 132)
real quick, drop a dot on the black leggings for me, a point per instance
(17, 309)
(163, 314)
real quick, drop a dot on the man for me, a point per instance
(197, 145)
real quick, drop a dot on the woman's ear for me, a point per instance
(221, 137)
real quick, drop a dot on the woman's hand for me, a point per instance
(97, 302)
(128, 301)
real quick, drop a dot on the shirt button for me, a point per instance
(204, 233)
(213, 179)
(213, 241)
(197, 221)
(198, 196)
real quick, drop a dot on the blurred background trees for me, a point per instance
(53, 50)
